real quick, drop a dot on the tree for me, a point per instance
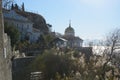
(44, 40)
(41, 41)
(113, 42)
(112, 45)
(51, 64)
(48, 38)
(13, 33)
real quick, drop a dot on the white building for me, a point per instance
(59, 42)
(36, 34)
(72, 40)
(24, 25)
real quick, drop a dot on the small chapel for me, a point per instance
(72, 40)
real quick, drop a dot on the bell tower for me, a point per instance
(69, 31)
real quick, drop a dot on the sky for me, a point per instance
(91, 19)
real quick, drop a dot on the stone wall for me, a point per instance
(5, 51)
(21, 68)
(5, 60)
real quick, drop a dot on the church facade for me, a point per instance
(68, 40)
(72, 40)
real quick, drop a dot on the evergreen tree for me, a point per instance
(23, 8)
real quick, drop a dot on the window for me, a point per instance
(17, 25)
(27, 26)
(22, 26)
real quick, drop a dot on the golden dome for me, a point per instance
(69, 31)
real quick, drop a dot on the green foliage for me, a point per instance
(13, 33)
(44, 40)
(48, 38)
(50, 64)
(76, 54)
(63, 67)
(22, 45)
(41, 41)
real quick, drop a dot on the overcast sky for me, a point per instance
(91, 19)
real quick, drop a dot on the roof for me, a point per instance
(14, 16)
(59, 39)
(62, 39)
(38, 20)
(69, 29)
